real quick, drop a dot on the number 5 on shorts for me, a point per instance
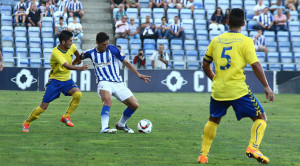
(227, 57)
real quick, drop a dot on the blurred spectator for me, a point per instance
(1, 61)
(260, 42)
(120, 13)
(148, 29)
(226, 17)
(133, 4)
(217, 20)
(177, 30)
(185, 4)
(30, 2)
(62, 9)
(75, 9)
(122, 28)
(20, 17)
(76, 29)
(158, 4)
(163, 29)
(258, 9)
(20, 4)
(116, 3)
(277, 5)
(134, 30)
(160, 59)
(280, 21)
(291, 4)
(50, 9)
(266, 20)
(60, 26)
(35, 17)
(43, 7)
(139, 60)
(172, 3)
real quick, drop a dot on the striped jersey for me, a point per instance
(260, 41)
(62, 4)
(19, 4)
(176, 27)
(266, 19)
(106, 64)
(75, 6)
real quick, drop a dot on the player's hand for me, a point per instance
(145, 78)
(84, 67)
(269, 93)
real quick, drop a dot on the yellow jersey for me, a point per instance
(58, 58)
(230, 52)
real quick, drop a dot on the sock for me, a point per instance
(34, 115)
(76, 97)
(257, 133)
(125, 117)
(105, 116)
(208, 136)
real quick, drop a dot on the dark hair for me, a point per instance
(175, 16)
(101, 37)
(61, 18)
(216, 11)
(141, 50)
(44, 2)
(22, 7)
(236, 17)
(164, 17)
(65, 35)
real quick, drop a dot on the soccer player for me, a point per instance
(106, 59)
(231, 52)
(59, 80)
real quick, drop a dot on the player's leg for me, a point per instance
(217, 110)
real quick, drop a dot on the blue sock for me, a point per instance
(105, 116)
(126, 115)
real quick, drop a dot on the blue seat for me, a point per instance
(171, 13)
(261, 56)
(223, 4)
(213, 34)
(190, 34)
(250, 14)
(186, 13)
(284, 46)
(146, 12)
(35, 57)
(200, 24)
(286, 57)
(264, 66)
(191, 55)
(202, 45)
(135, 44)
(245, 33)
(158, 13)
(275, 67)
(201, 55)
(282, 36)
(21, 42)
(272, 46)
(34, 42)
(297, 57)
(294, 26)
(8, 54)
(251, 24)
(199, 14)
(7, 41)
(190, 45)
(202, 34)
(165, 42)
(70, 20)
(149, 53)
(133, 53)
(273, 57)
(198, 4)
(57, 42)
(178, 65)
(178, 55)
(193, 65)
(123, 43)
(47, 22)
(249, 5)
(209, 13)
(20, 31)
(7, 31)
(210, 4)
(252, 34)
(6, 20)
(47, 32)
(47, 53)
(269, 36)
(176, 44)
(248, 68)
(188, 24)
(33, 32)
(293, 15)
(48, 42)
(157, 21)
(148, 64)
(149, 44)
(288, 67)
(132, 12)
(236, 4)
(22, 57)
(144, 3)
(77, 43)
(296, 47)
(6, 10)
(295, 37)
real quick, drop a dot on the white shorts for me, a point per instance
(117, 89)
(186, 6)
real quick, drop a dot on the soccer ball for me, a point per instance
(144, 126)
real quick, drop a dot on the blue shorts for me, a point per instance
(54, 87)
(246, 106)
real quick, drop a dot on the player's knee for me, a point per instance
(77, 95)
(134, 106)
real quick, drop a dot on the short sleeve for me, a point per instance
(57, 58)
(115, 52)
(167, 57)
(85, 55)
(152, 58)
(208, 55)
(249, 52)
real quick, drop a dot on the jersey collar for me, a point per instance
(61, 50)
(233, 32)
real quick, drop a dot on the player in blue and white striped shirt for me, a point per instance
(75, 9)
(260, 42)
(177, 30)
(163, 29)
(158, 4)
(62, 9)
(20, 4)
(106, 59)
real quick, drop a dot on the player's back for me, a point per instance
(230, 52)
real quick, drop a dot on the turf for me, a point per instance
(178, 120)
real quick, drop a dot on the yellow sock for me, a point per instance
(208, 136)
(257, 133)
(34, 115)
(73, 103)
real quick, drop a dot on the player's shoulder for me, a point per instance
(113, 49)
(89, 51)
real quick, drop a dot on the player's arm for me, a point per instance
(259, 72)
(207, 70)
(131, 68)
(77, 60)
(72, 67)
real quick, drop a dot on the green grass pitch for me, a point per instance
(178, 120)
